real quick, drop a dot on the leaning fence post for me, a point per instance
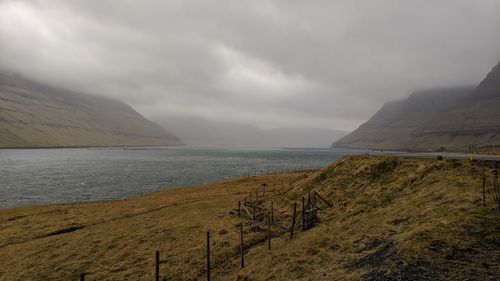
(208, 255)
(254, 210)
(293, 219)
(242, 253)
(303, 213)
(157, 266)
(239, 208)
(82, 276)
(314, 200)
(268, 231)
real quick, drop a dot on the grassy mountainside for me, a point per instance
(36, 115)
(393, 219)
(393, 126)
(449, 119)
(475, 119)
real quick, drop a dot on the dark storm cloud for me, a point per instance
(270, 63)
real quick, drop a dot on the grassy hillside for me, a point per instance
(36, 115)
(393, 219)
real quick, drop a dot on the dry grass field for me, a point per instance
(393, 219)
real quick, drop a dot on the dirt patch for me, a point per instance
(373, 244)
(386, 264)
(384, 255)
(416, 270)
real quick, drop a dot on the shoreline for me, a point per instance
(389, 207)
(166, 189)
(427, 155)
(90, 146)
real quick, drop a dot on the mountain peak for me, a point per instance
(438, 119)
(490, 86)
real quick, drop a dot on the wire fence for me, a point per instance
(262, 218)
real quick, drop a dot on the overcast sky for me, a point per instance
(269, 63)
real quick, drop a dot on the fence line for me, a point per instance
(223, 255)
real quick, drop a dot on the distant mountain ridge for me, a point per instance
(199, 131)
(36, 115)
(439, 119)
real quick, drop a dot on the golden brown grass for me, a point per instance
(393, 218)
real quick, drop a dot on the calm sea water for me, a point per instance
(41, 176)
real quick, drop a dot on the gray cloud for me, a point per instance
(269, 63)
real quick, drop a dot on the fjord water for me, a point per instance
(42, 176)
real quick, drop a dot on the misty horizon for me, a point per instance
(272, 64)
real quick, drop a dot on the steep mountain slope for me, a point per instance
(36, 115)
(393, 126)
(199, 131)
(474, 120)
(449, 119)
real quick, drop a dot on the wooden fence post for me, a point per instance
(314, 200)
(484, 189)
(242, 250)
(303, 213)
(157, 266)
(208, 255)
(254, 211)
(268, 230)
(495, 189)
(324, 200)
(272, 212)
(239, 208)
(293, 219)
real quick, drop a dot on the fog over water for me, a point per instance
(271, 64)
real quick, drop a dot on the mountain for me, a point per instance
(199, 131)
(36, 115)
(438, 119)
(475, 119)
(393, 126)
